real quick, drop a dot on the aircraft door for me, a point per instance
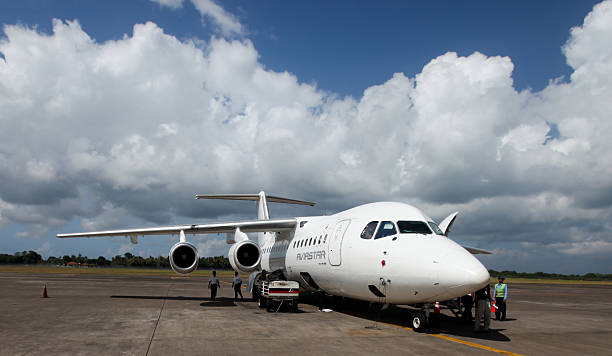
(334, 251)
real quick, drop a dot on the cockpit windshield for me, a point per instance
(413, 227)
(435, 228)
(386, 228)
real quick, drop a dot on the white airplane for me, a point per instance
(385, 252)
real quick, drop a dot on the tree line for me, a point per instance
(221, 262)
(126, 260)
(543, 275)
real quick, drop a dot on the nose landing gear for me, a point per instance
(423, 318)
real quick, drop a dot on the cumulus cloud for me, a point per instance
(211, 245)
(134, 127)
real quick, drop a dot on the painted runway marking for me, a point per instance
(448, 338)
(468, 343)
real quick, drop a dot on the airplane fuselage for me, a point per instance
(337, 254)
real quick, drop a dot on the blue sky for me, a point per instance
(347, 46)
(99, 119)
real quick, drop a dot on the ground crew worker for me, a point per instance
(500, 293)
(482, 300)
(467, 302)
(213, 284)
(237, 284)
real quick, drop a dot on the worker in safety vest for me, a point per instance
(500, 292)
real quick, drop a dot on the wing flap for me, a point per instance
(275, 225)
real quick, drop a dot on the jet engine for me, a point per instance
(183, 258)
(245, 256)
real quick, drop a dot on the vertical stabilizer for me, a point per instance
(262, 207)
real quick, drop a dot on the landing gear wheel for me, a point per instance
(270, 307)
(262, 302)
(294, 306)
(419, 322)
(255, 294)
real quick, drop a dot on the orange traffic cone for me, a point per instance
(44, 293)
(493, 307)
(437, 308)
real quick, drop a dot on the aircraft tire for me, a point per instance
(262, 302)
(419, 322)
(269, 306)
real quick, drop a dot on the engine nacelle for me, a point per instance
(245, 256)
(183, 258)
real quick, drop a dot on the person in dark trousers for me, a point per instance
(467, 302)
(501, 297)
(482, 300)
(321, 296)
(213, 284)
(237, 284)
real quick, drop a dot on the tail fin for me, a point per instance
(261, 198)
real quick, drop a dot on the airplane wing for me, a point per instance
(476, 251)
(273, 225)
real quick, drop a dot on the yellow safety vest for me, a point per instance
(500, 290)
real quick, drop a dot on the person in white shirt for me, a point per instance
(213, 284)
(237, 284)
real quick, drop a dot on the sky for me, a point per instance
(113, 114)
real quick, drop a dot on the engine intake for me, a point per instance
(245, 256)
(183, 258)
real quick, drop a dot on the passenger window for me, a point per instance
(386, 228)
(368, 231)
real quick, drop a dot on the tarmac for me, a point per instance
(161, 315)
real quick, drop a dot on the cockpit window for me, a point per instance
(435, 228)
(386, 228)
(413, 227)
(368, 231)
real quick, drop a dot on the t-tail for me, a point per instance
(262, 203)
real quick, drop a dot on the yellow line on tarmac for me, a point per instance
(468, 343)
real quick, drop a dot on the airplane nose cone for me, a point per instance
(461, 273)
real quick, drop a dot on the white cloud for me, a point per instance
(136, 126)
(212, 246)
(227, 23)
(173, 4)
(45, 249)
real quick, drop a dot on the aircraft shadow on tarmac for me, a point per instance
(401, 316)
(219, 302)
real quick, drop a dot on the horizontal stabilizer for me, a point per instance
(254, 197)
